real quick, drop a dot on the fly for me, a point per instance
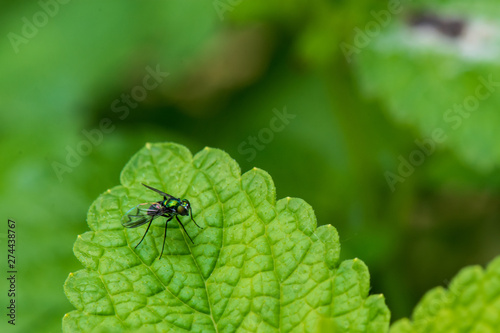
(169, 207)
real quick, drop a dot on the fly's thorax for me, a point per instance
(176, 206)
(171, 203)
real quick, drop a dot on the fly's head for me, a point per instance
(184, 207)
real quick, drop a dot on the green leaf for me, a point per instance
(257, 265)
(471, 304)
(438, 84)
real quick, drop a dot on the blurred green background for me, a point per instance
(363, 83)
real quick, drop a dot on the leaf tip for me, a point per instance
(148, 145)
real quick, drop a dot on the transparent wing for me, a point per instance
(138, 215)
(158, 191)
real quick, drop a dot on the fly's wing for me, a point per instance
(158, 191)
(138, 215)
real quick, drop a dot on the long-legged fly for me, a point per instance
(169, 207)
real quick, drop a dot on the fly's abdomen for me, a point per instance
(155, 209)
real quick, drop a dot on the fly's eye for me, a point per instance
(181, 210)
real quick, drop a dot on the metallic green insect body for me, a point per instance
(169, 207)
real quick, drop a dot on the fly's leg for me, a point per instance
(182, 225)
(165, 234)
(144, 233)
(191, 214)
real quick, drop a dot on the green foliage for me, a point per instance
(334, 154)
(258, 264)
(434, 82)
(471, 304)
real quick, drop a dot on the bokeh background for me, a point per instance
(363, 83)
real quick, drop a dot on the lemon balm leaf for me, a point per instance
(470, 304)
(258, 264)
